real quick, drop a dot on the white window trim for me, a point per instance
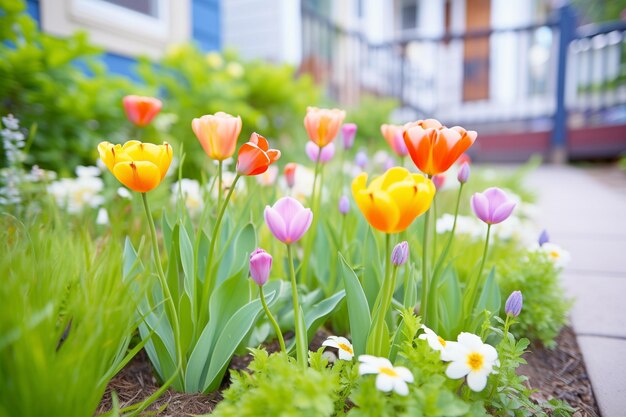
(117, 29)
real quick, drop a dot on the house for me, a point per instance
(126, 29)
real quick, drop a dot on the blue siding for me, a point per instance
(205, 31)
(206, 24)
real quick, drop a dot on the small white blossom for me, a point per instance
(472, 358)
(559, 256)
(343, 346)
(124, 193)
(103, 217)
(388, 377)
(191, 193)
(437, 342)
(76, 193)
(87, 171)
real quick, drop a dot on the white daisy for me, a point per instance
(388, 377)
(343, 346)
(472, 358)
(559, 256)
(436, 342)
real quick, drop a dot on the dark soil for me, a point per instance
(558, 373)
(561, 373)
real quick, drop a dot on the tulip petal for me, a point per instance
(276, 224)
(140, 176)
(496, 198)
(299, 224)
(503, 212)
(480, 206)
(288, 208)
(251, 160)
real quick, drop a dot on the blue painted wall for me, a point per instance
(205, 31)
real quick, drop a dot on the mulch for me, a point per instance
(558, 373)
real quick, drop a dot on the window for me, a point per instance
(126, 27)
(408, 15)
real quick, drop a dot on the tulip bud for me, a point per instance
(513, 304)
(344, 205)
(348, 131)
(290, 174)
(464, 173)
(260, 266)
(438, 181)
(361, 159)
(400, 253)
(543, 237)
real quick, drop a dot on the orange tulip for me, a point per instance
(290, 174)
(141, 110)
(433, 147)
(217, 134)
(139, 166)
(322, 125)
(254, 156)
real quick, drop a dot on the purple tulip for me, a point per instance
(288, 220)
(313, 152)
(344, 205)
(348, 131)
(513, 305)
(400, 253)
(464, 173)
(260, 266)
(544, 237)
(360, 159)
(492, 206)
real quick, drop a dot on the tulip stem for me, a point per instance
(425, 279)
(389, 285)
(203, 308)
(166, 291)
(434, 287)
(219, 183)
(272, 320)
(310, 239)
(301, 336)
(472, 288)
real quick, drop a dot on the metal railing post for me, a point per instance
(558, 141)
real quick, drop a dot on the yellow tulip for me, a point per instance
(392, 201)
(139, 166)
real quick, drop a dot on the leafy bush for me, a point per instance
(59, 85)
(545, 304)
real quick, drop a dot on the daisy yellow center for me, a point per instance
(475, 361)
(345, 347)
(443, 342)
(388, 371)
(554, 254)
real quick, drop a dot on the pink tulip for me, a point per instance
(348, 131)
(439, 180)
(288, 220)
(492, 206)
(313, 152)
(393, 136)
(464, 173)
(141, 110)
(260, 266)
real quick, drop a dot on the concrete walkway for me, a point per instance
(586, 215)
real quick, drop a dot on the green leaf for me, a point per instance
(317, 314)
(225, 301)
(358, 308)
(490, 298)
(132, 264)
(231, 336)
(187, 261)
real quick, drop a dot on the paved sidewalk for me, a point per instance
(587, 217)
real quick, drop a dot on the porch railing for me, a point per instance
(546, 76)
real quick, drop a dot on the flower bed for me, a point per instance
(428, 293)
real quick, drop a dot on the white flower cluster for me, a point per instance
(74, 194)
(13, 142)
